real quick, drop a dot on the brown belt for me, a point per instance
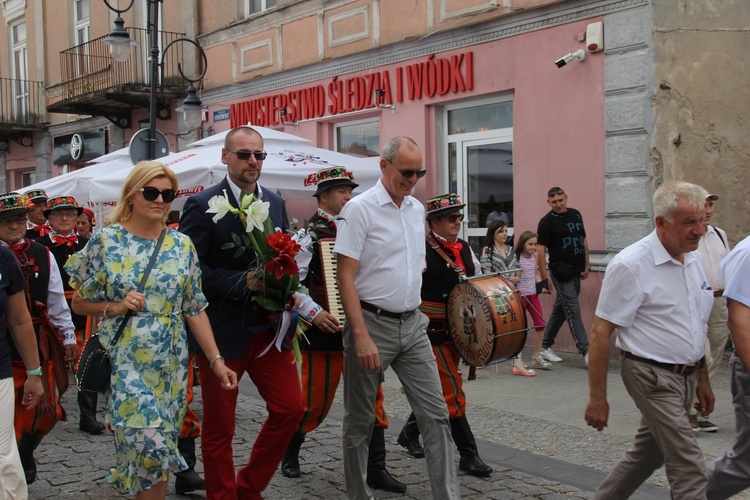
(718, 293)
(688, 369)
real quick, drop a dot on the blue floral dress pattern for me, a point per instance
(146, 403)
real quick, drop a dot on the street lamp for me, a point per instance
(119, 42)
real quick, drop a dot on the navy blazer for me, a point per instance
(230, 310)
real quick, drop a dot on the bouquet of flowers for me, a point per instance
(274, 265)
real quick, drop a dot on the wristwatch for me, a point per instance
(37, 372)
(588, 268)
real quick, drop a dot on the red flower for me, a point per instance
(283, 244)
(283, 264)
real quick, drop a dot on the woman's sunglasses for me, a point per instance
(150, 193)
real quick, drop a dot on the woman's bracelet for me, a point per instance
(104, 311)
(213, 360)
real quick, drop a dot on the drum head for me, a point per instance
(486, 319)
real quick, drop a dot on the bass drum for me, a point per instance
(486, 319)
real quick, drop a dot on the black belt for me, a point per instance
(688, 369)
(382, 312)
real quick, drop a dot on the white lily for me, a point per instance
(219, 205)
(257, 213)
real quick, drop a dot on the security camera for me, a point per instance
(578, 54)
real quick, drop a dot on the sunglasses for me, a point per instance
(555, 192)
(408, 174)
(150, 193)
(245, 155)
(454, 217)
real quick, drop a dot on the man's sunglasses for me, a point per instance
(408, 174)
(454, 217)
(150, 193)
(245, 155)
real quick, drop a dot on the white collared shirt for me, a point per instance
(713, 250)
(237, 192)
(389, 243)
(659, 305)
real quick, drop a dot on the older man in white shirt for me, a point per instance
(381, 253)
(713, 247)
(655, 293)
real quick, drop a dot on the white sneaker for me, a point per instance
(550, 355)
(586, 359)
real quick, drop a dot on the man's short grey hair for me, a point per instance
(392, 146)
(665, 198)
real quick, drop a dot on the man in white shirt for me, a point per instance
(730, 474)
(381, 253)
(713, 247)
(655, 293)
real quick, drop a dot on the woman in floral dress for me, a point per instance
(146, 402)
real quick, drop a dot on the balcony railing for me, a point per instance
(21, 103)
(88, 67)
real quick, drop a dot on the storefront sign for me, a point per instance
(434, 76)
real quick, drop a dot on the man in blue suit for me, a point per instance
(241, 329)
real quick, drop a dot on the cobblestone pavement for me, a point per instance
(536, 456)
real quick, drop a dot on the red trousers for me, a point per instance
(32, 421)
(275, 376)
(321, 374)
(447, 358)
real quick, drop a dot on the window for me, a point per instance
(360, 139)
(28, 178)
(82, 21)
(20, 71)
(256, 6)
(81, 14)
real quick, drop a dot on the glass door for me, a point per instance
(480, 163)
(485, 185)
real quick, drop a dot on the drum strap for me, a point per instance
(436, 246)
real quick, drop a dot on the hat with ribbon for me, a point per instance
(443, 205)
(36, 195)
(334, 176)
(14, 204)
(58, 202)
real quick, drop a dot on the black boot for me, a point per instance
(87, 406)
(378, 477)
(467, 449)
(409, 438)
(188, 480)
(290, 462)
(26, 447)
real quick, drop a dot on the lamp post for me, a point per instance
(120, 43)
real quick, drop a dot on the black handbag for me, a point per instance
(94, 372)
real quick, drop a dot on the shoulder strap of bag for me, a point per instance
(141, 286)
(436, 246)
(718, 232)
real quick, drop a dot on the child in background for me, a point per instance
(526, 258)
